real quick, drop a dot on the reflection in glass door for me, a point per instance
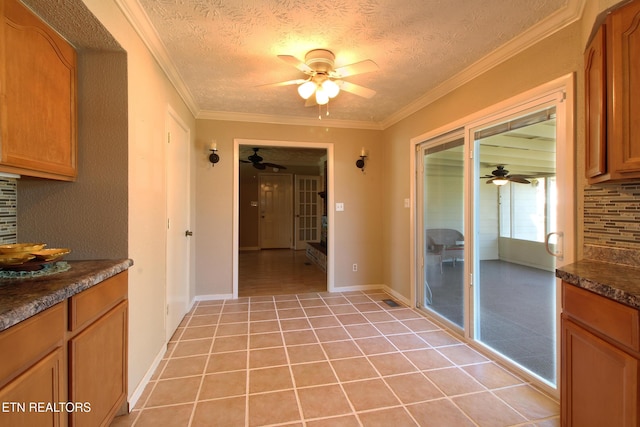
(442, 226)
(515, 201)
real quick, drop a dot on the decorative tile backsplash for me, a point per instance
(612, 216)
(8, 210)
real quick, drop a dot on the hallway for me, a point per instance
(278, 272)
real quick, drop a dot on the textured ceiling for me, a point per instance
(222, 51)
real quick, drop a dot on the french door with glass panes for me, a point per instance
(493, 222)
(308, 210)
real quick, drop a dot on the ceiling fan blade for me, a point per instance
(273, 165)
(518, 179)
(245, 161)
(287, 83)
(300, 65)
(356, 89)
(260, 166)
(361, 67)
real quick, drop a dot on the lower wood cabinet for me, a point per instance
(97, 368)
(33, 372)
(68, 364)
(600, 361)
(34, 398)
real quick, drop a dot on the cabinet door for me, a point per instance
(38, 386)
(599, 382)
(595, 102)
(98, 368)
(39, 113)
(625, 67)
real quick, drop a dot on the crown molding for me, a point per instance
(140, 22)
(287, 120)
(545, 28)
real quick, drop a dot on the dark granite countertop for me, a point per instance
(618, 282)
(23, 298)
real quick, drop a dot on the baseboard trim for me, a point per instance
(213, 297)
(356, 288)
(135, 396)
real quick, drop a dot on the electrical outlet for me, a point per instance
(355, 267)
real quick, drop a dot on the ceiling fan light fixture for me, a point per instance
(331, 88)
(500, 181)
(306, 89)
(322, 97)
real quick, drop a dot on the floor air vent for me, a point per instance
(390, 303)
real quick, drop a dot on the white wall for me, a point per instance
(149, 96)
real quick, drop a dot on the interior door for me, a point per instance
(308, 207)
(276, 217)
(178, 227)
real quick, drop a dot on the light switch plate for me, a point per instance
(339, 207)
(407, 203)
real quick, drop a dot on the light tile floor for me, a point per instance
(327, 359)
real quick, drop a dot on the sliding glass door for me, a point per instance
(494, 218)
(515, 210)
(441, 162)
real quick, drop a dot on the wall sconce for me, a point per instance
(360, 162)
(213, 157)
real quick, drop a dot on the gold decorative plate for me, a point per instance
(21, 248)
(51, 254)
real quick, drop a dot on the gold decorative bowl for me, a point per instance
(51, 254)
(14, 248)
(15, 258)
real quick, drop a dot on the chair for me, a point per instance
(447, 243)
(434, 252)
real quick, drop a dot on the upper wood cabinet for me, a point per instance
(595, 69)
(39, 99)
(612, 79)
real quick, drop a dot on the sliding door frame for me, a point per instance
(565, 130)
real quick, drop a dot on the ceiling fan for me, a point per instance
(256, 160)
(323, 79)
(500, 176)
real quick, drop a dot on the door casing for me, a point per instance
(330, 201)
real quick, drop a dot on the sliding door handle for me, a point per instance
(559, 252)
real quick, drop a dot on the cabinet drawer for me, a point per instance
(89, 305)
(616, 321)
(30, 340)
